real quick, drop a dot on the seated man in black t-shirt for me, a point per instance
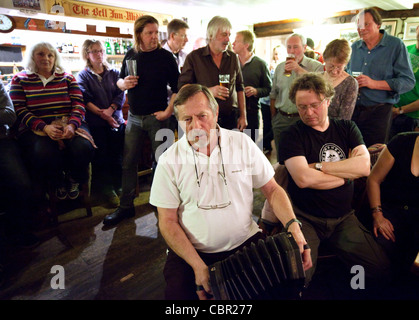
(323, 156)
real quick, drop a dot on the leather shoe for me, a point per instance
(118, 215)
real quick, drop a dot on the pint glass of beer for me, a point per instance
(289, 57)
(224, 80)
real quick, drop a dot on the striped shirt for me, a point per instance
(38, 104)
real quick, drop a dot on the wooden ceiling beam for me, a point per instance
(275, 28)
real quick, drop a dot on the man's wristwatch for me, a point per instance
(401, 110)
(318, 166)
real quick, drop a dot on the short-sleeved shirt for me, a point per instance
(400, 185)
(200, 68)
(175, 186)
(329, 146)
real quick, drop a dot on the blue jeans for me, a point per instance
(137, 130)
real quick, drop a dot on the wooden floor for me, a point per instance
(124, 262)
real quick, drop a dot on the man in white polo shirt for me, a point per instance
(203, 189)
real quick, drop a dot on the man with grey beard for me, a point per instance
(205, 65)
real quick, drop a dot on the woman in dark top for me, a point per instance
(336, 57)
(103, 100)
(393, 188)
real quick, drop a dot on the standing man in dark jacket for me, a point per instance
(256, 77)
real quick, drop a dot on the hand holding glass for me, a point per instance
(224, 80)
(289, 57)
(356, 74)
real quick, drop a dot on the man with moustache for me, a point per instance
(203, 191)
(380, 62)
(204, 65)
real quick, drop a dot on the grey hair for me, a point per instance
(190, 90)
(302, 38)
(215, 24)
(30, 64)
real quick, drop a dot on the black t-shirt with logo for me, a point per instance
(332, 145)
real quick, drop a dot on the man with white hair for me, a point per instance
(206, 64)
(284, 112)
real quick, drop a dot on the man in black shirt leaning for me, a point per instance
(323, 156)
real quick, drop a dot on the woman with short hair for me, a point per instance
(336, 57)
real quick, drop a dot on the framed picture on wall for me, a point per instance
(389, 26)
(410, 30)
(349, 34)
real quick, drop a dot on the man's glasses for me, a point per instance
(96, 51)
(212, 189)
(313, 106)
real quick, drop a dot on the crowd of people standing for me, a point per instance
(322, 114)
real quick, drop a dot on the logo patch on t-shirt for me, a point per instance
(330, 152)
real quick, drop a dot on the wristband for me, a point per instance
(290, 222)
(376, 209)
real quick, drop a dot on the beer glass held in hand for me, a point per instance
(131, 67)
(289, 57)
(224, 80)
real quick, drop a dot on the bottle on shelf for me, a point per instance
(129, 46)
(76, 49)
(124, 44)
(64, 48)
(70, 48)
(121, 47)
(117, 48)
(108, 47)
(15, 68)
